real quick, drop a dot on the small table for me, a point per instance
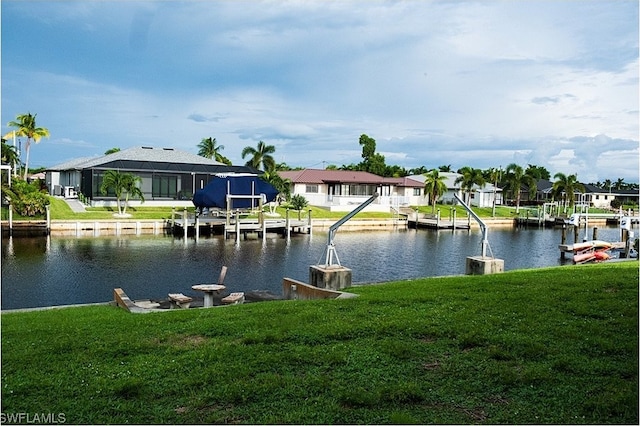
(209, 290)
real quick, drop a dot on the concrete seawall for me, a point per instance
(163, 226)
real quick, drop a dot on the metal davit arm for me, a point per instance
(483, 226)
(331, 250)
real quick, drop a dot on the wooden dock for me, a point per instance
(437, 224)
(238, 227)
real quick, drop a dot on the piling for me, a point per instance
(185, 225)
(237, 226)
(563, 240)
(454, 218)
(595, 233)
(48, 220)
(287, 225)
(576, 230)
(10, 219)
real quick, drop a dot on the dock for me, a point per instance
(437, 224)
(237, 226)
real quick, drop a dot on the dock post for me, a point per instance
(576, 230)
(173, 217)
(595, 233)
(563, 240)
(10, 219)
(48, 220)
(288, 224)
(455, 213)
(438, 219)
(416, 219)
(197, 225)
(309, 231)
(185, 223)
(264, 225)
(237, 227)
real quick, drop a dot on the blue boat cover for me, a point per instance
(214, 194)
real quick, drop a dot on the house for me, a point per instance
(343, 190)
(593, 196)
(480, 196)
(169, 177)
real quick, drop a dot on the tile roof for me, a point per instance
(318, 176)
(327, 176)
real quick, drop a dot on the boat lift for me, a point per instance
(483, 226)
(331, 249)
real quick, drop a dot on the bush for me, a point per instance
(26, 198)
(298, 202)
(615, 203)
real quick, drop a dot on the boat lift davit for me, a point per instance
(331, 249)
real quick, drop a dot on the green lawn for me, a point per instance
(553, 345)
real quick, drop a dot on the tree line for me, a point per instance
(512, 179)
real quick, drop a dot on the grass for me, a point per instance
(59, 210)
(554, 345)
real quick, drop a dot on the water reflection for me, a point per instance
(45, 271)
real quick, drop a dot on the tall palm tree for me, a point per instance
(121, 183)
(435, 186)
(260, 156)
(25, 125)
(567, 185)
(209, 148)
(469, 178)
(515, 177)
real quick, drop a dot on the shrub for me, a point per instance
(26, 198)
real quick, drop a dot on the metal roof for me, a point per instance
(150, 158)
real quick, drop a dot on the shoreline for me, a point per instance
(102, 227)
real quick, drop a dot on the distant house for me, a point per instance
(343, 190)
(169, 177)
(593, 196)
(480, 196)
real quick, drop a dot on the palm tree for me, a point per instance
(121, 183)
(515, 177)
(469, 178)
(209, 148)
(10, 154)
(25, 125)
(435, 186)
(567, 185)
(282, 185)
(619, 184)
(260, 156)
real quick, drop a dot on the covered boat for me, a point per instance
(235, 192)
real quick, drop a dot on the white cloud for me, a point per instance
(461, 83)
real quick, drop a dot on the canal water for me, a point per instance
(46, 271)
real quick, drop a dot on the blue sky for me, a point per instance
(466, 83)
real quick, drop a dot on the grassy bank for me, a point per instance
(556, 345)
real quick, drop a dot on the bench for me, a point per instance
(233, 299)
(179, 300)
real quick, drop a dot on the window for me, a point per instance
(164, 186)
(311, 189)
(417, 191)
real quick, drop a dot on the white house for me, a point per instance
(480, 196)
(343, 190)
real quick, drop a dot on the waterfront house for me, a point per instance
(343, 190)
(169, 177)
(593, 196)
(480, 196)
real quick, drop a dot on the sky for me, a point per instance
(552, 83)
